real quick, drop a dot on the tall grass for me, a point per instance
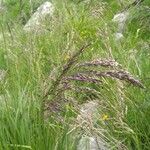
(34, 64)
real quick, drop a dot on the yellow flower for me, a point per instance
(66, 57)
(105, 117)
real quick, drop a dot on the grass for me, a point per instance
(33, 63)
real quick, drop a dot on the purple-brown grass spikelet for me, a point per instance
(83, 78)
(119, 74)
(101, 62)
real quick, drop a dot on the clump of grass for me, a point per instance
(124, 109)
(83, 73)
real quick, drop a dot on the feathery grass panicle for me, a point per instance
(83, 78)
(119, 74)
(100, 62)
(89, 76)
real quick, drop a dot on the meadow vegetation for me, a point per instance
(77, 59)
